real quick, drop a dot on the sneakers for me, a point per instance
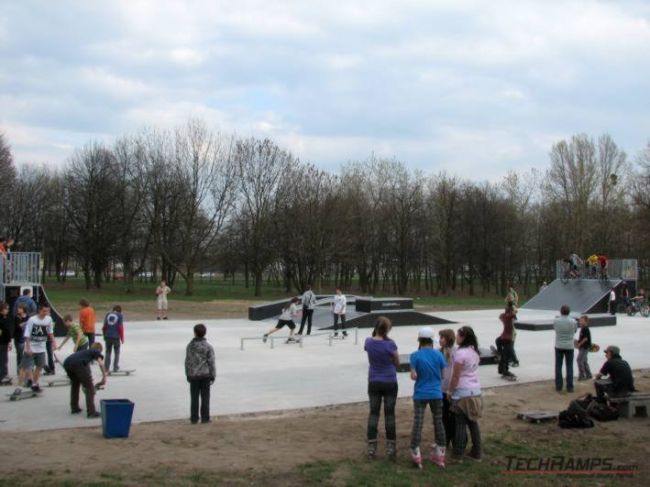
(515, 364)
(475, 455)
(391, 450)
(438, 459)
(164, 317)
(416, 456)
(265, 337)
(158, 318)
(94, 415)
(116, 369)
(36, 388)
(76, 411)
(372, 450)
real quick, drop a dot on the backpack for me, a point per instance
(576, 416)
(602, 411)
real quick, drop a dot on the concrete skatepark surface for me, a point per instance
(287, 377)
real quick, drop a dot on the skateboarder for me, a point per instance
(74, 332)
(201, 371)
(286, 318)
(6, 334)
(77, 366)
(505, 342)
(339, 307)
(427, 366)
(113, 331)
(38, 329)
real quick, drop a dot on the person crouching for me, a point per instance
(77, 366)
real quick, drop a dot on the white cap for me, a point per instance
(426, 332)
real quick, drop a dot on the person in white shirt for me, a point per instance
(338, 309)
(286, 318)
(38, 330)
(162, 291)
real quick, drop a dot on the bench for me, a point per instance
(636, 404)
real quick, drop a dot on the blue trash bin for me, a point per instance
(116, 417)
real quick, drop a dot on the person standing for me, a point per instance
(38, 330)
(87, 320)
(447, 348)
(465, 393)
(511, 295)
(583, 345)
(308, 304)
(339, 307)
(427, 368)
(505, 342)
(6, 334)
(26, 299)
(383, 360)
(201, 371)
(161, 301)
(565, 329)
(77, 366)
(612, 301)
(113, 330)
(20, 319)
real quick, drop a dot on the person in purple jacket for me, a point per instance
(383, 360)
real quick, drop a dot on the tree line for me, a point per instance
(174, 203)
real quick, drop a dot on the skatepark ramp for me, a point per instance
(585, 296)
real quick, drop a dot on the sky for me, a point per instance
(473, 88)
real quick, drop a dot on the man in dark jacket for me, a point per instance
(77, 366)
(6, 334)
(200, 370)
(620, 381)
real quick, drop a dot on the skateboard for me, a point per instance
(58, 382)
(293, 340)
(537, 416)
(122, 372)
(22, 393)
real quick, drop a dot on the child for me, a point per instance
(200, 370)
(77, 366)
(20, 319)
(286, 318)
(6, 332)
(38, 330)
(113, 331)
(427, 366)
(447, 348)
(506, 341)
(74, 332)
(583, 345)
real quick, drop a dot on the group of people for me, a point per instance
(595, 266)
(30, 329)
(615, 376)
(446, 381)
(306, 313)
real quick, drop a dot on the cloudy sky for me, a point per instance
(471, 87)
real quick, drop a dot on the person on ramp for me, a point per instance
(308, 304)
(77, 366)
(339, 307)
(286, 318)
(113, 331)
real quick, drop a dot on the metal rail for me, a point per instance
(299, 340)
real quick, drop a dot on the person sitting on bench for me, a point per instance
(620, 381)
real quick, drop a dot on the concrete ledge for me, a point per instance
(540, 325)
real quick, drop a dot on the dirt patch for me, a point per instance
(272, 448)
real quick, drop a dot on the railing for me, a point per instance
(20, 268)
(299, 339)
(627, 269)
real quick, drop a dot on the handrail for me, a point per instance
(20, 268)
(329, 334)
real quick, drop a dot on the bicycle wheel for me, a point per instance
(621, 308)
(630, 310)
(645, 310)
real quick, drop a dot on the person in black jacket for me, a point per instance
(620, 381)
(200, 370)
(6, 334)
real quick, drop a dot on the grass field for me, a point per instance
(68, 294)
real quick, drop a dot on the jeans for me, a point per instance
(507, 349)
(460, 439)
(112, 344)
(91, 338)
(419, 407)
(80, 375)
(448, 419)
(376, 392)
(567, 356)
(307, 315)
(4, 360)
(584, 372)
(336, 324)
(19, 346)
(50, 357)
(200, 388)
